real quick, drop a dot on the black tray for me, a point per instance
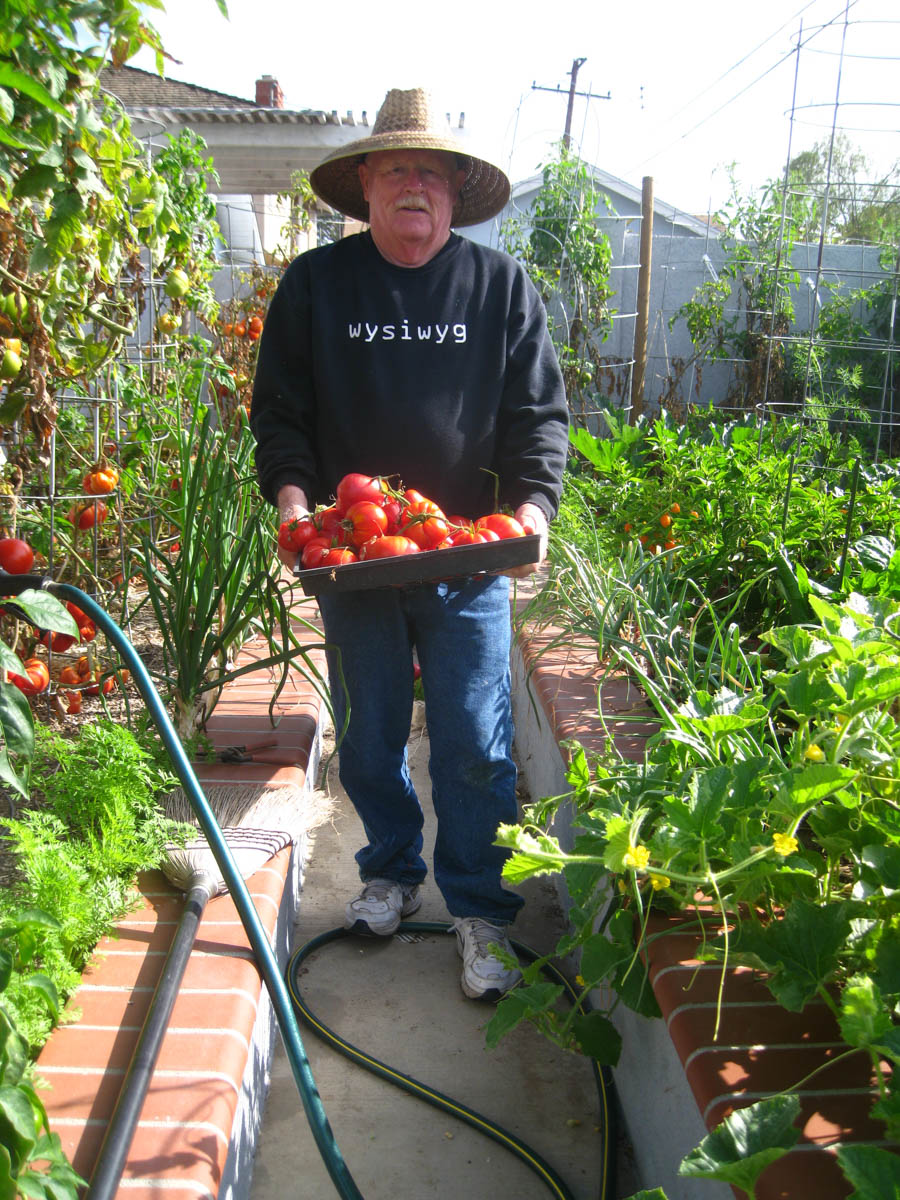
(422, 567)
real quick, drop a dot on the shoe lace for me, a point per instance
(484, 935)
(378, 889)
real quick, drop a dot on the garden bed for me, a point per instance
(678, 1078)
(199, 1124)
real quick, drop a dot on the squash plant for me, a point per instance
(772, 788)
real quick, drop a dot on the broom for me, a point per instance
(256, 823)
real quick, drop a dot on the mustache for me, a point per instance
(416, 203)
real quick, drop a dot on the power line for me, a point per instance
(721, 108)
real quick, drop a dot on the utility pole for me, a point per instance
(577, 64)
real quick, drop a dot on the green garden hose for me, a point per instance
(430, 1095)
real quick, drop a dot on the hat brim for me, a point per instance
(335, 180)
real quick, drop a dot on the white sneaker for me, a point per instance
(380, 906)
(484, 976)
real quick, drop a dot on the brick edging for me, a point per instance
(198, 1125)
(760, 1048)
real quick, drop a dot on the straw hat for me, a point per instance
(407, 121)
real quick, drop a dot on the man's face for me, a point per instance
(411, 194)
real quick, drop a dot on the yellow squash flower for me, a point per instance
(785, 844)
(637, 857)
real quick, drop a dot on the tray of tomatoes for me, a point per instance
(377, 535)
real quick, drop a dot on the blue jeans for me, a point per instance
(461, 632)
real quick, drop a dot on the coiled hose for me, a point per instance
(556, 1185)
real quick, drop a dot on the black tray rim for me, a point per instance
(428, 566)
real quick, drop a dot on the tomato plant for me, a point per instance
(16, 556)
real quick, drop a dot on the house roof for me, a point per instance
(153, 97)
(255, 148)
(613, 185)
(145, 89)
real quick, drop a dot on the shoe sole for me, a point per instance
(361, 927)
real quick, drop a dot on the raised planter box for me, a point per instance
(676, 1080)
(201, 1118)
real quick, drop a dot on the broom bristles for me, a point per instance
(250, 848)
(256, 820)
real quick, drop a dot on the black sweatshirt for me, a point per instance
(442, 375)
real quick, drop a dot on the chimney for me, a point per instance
(269, 93)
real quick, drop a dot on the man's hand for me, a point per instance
(292, 506)
(532, 520)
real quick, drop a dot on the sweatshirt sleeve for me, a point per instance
(283, 408)
(533, 433)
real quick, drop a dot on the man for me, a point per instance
(409, 351)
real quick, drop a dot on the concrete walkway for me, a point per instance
(400, 1001)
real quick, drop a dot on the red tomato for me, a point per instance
(364, 520)
(328, 522)
(314, 551)
(419, 505)
(337, 556)
(105, 685)
(471, 537)
(387, 547)
(293, 535)
(71, 676)
(502, 524)
(73, 703)
(354, 487)
(428, 532)
(90, 515)
(16, 556)
(394, 510)
(101, 481)
(59, 643)
(36, 678)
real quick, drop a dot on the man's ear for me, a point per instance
(363, 170)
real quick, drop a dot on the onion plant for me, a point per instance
(212, 579)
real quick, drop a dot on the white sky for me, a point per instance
(694, 86)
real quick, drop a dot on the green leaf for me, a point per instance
(516, 1006)
(864, 1019)
(7, 1180)
(634, 988)
(16, 722)
(800, 949)
(598, 958)
(35, 181)
(884, 861)
(29, 86)
(598, 1038)
(535, 854)
(807, 786)
(6, 966)
(748, 1141)
(874, 1173)
(652, 1194)
(45, 985)
(17, 1125)
(46, 612)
